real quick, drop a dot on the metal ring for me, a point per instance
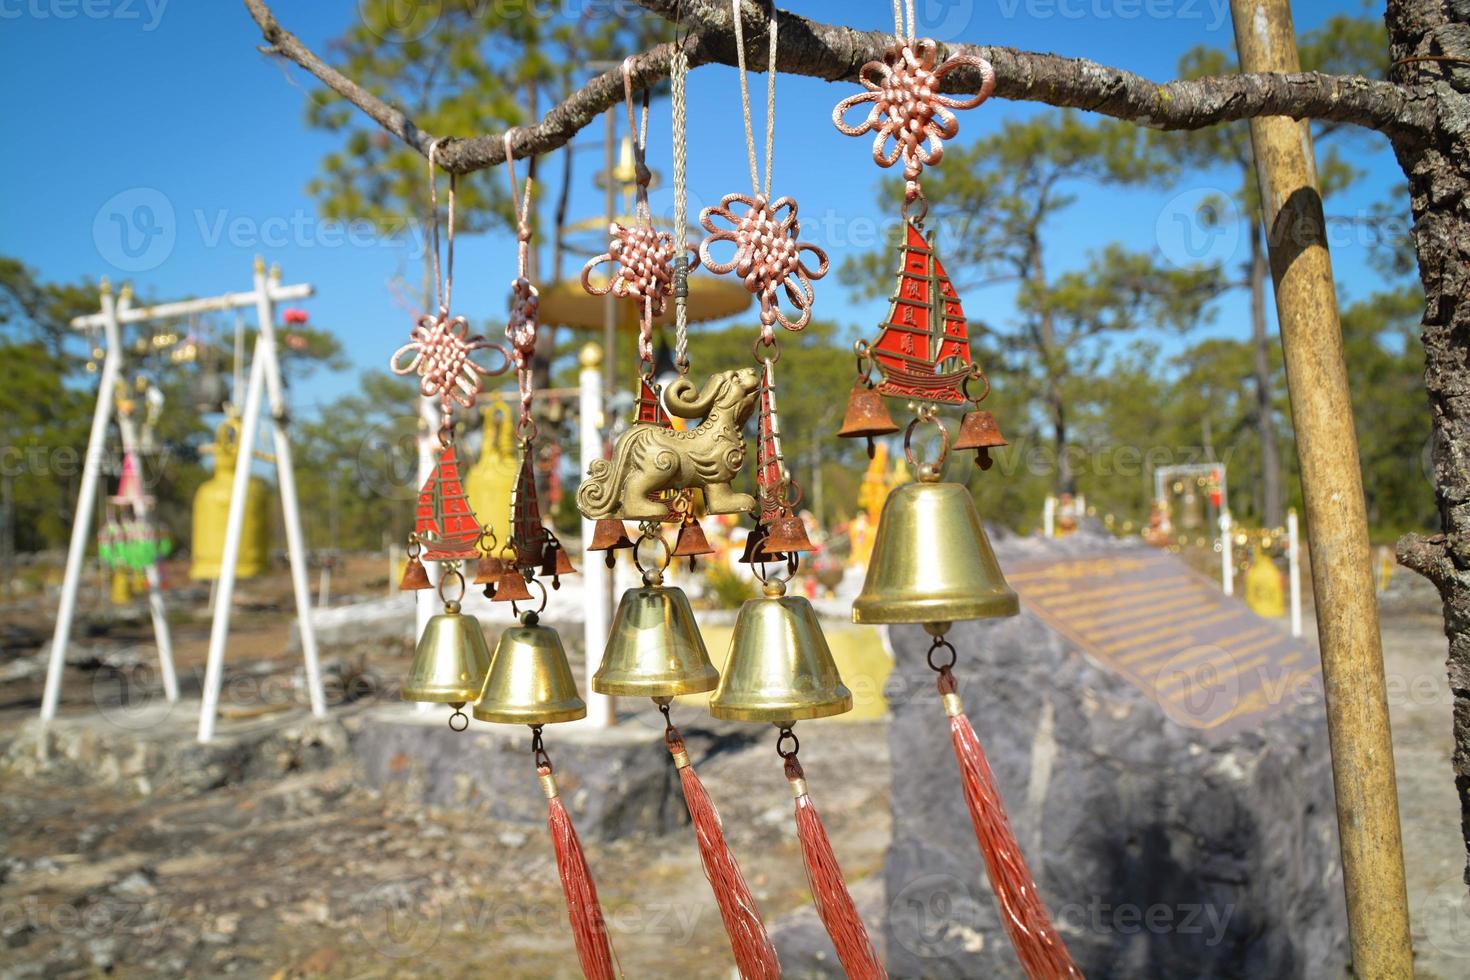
(415, 547)
(926, 414)
(940, 643)
(771, 342)
(505, 355)
(464, 720)
(487, 541)
(539, 609)
(451, 568)
(781, 741)
(657, 538)
(976, 373)
(526, 429)
(864, 355)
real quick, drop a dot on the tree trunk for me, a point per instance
(1052, 361)
(1439, 185)
(1271, 515)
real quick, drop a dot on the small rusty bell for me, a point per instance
(787, 536)
(755, 543)
(488, 570)
(554, 561)
(415, 576)
(979, 431)
(608, 535)
(691, 542)
(866, 416)
(512, 586)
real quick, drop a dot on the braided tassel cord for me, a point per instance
(1038, 946)
(829, 889)
(755, 954)
(594, 946)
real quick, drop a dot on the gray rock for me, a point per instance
(1159, 853)
(615, 782)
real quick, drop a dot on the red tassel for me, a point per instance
(755, 954)
(829, 890)
(1040, 949)
(594, 947)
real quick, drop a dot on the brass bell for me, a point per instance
(415, 576)
(780, 668)
(654, 649)
(787, 536)
(866, 416)
(512, 586)
(931, 561)
(978, 431)
(609, 534)
(529, 681)
(451, 661)
(691, 542)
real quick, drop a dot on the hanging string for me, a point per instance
(638, 135)
(899, 30)
(755, 182)
(679, 68)
(443, 283)
(520, 329)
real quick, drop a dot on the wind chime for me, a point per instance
(654, 647)
(780, 670)
(527, 680)
(932, 563)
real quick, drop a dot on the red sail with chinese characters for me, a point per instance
(923, 349)
(444, 522)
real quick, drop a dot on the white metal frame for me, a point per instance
(265, 381)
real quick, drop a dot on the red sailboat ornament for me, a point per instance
(923, 348)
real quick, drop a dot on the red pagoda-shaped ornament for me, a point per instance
(445, 524)
(528, 534)
(650, 409)
(923, 348)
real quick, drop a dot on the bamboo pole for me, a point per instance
(1337, 526)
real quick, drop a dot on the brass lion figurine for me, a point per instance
(650, 458)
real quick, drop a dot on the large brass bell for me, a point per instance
(529, 681)
(979, 431)
(780, 668)
(654, 649)
(452, 659)
(932, 562)
(866, 415)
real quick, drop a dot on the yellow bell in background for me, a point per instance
(780, 669)
(1263, 591)
(530, 681)
(451, 660)
(490, 481)
(932, 562)
(212, 511)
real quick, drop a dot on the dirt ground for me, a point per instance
(313, 874)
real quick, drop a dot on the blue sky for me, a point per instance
(117, 104)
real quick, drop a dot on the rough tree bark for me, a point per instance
(1438, 169)
(1424, 109)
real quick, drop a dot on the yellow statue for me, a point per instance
(489, 482)
(212, 509)
(1263, 591)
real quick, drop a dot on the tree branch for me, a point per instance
(1428, 556)
(807, 47)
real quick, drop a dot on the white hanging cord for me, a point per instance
(679, 68)
(755, 183)
(443, 282)
(521, 328)
(638, 135)
(899, 30)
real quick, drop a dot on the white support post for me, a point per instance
(1294, 571)
(286, 479)
(81, 524)
(601, 709)
(1049, 517)
(156, 611)
(224, 590)
(426, 601)
(1227, 554)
